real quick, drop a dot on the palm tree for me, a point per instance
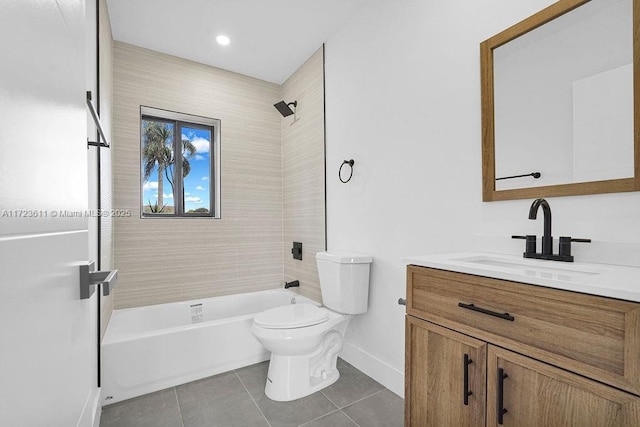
(156, 150)
(188, 151)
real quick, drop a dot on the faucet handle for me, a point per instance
(581, 240)
(564, 247)
(530, 244)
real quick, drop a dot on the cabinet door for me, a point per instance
(444, 377)
(531, 393)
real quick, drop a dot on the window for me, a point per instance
(180, 164)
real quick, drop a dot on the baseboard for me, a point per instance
(385, 374)
(90, 415)
(97, 409)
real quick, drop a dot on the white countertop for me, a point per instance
(590, 278)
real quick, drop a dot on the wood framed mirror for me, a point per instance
(561, 100)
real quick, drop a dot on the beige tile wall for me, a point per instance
(303, 174)
(106, 176)
(163, 260)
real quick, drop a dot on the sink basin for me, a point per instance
(532, 267)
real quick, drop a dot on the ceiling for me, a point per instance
(270, 39)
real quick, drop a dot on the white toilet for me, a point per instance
(304, 339)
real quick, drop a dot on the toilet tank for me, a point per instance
(344, 281)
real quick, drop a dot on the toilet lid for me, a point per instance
(291, 316)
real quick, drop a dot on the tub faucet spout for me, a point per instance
(294, 284)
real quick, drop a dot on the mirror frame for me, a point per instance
(489, 192)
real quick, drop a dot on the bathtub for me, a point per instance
(147, 349)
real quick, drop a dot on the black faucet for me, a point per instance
(293, 284)
(547, 239)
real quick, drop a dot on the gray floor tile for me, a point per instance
(282, 414)
(296, 412)
(352, 385)
(383, 409)
(159, 409)
(334, 419)
(219, 401)
(254, 377)
(223, 401)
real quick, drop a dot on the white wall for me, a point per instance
(403, 100)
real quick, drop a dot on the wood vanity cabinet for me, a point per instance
(482, 351)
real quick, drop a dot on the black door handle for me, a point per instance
(466, 393)
(500, 396)
(505, 316)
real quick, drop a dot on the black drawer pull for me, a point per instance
(466, 393)
(505, 316)
(500, 396)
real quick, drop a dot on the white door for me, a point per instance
(47, 333)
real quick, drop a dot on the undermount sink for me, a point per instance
(532, 267)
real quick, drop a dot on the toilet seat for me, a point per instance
(291, 316)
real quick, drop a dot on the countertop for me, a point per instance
(605, 280)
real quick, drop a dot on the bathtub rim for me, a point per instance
(109, 340)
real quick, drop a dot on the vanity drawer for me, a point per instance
(595, 336)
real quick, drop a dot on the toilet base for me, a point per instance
(293, 377)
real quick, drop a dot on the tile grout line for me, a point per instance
(175, 392)
(350, 419)
(362, 398)
(251, 397)
(341, 408)
(321, 416)
(332, 402)
(359, 400)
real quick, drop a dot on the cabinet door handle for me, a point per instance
(467, 361)
(500, 396)
(505, 316)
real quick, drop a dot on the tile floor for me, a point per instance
(237, 399)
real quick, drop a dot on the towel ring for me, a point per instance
(346, 162)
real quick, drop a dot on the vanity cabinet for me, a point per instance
(447, 372)
(546, 356)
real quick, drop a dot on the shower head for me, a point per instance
(284, 108)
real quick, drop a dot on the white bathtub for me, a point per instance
(146, 349)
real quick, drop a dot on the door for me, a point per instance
(47, 333)
(444, 378)
(532, 393)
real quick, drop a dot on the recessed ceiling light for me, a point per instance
(222, 40)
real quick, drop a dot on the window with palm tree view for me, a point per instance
(178, 165)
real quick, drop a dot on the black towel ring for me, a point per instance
(346, 162)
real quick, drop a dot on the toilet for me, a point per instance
(304, 339)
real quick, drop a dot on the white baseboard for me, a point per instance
(90, 415)
(385, 374)
(97, 408)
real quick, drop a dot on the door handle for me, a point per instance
(89, 278)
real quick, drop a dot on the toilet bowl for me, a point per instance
(305, 339)
(303, 357)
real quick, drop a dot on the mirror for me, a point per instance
(561, 102)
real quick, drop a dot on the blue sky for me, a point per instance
(196, 183)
